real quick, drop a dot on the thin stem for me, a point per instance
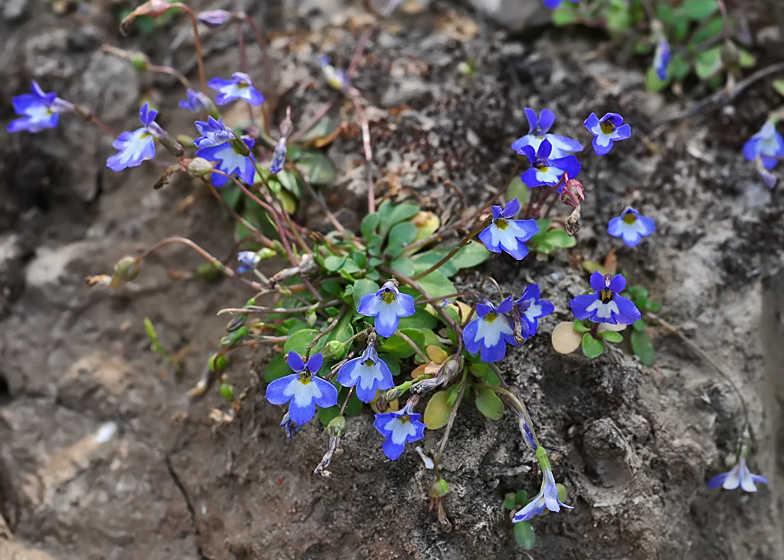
(196, 37)
(416, 348)
(253, 309)
(215, 262)
(363, 41)
(245, 223)
(514, 401)
(451, 421)
(315, 119)
(345, 403)
(171, 72)
(368, 154)
(697, 350)
(451, 253)
(326, 331)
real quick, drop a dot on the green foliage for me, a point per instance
(488, 403)
(549, 237)
(592, 347)
(524, 535)
(641, 342)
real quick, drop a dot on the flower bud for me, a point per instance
(730, 55)
(234, 337)
(337, 426)
(126, 269)
(199, 167)
(140, 61)
(240, 146)
(227, 391)
(573, 192)
(236, 322)
(217, 363)
(335, 350)
(214, 18)
(266, 253)
(438, 489)
(185, 140)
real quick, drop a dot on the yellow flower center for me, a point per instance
(304, 377)
(607, 126)
(369, 363)
(388, 297)
(606, 295)
(629, 218)
(490, 317)
(501, 224)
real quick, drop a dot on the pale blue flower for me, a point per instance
(387, 305)
(399, 428)
(547, 497)
(39, 110)
(489, 333)
(303, 389)
(740, 475)
(605, 306)
(530, 309)
(538, 132)
(137, 146)
(239, 87)
(368, 373)
(546, 169)
(248, 261)
(506, 234)
(631, 226)
(606, 131)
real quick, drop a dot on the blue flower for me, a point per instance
(606, 131)
(553, 4)
(398, 428)
(546, 170)
(220, 144)
(137, 146)
(530, 309)
(738, 476)
(505, 234)
(661, 58)
(196, 102)
(387, 305)
(335, 78)
(538, 132)
(631, 227)
(248, 260)
(547, 497)
(239, 87)
(214, 18)
(278, 157)
(39, 110)
(303, 388)
(490, 331)
(605, 306)
(368, 372)
(767, 145)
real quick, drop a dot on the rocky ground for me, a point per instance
(103, 456)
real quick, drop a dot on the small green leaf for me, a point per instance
(421, 319)
(698, 10)
(488, 403)
(592, 347)
(362, 288)
(473, 254)
(521, 498)
(485, 373)
(317, 167)
(580, 326)
(565, 14)
(436, 284)
(333, 263)
(563, 493)
(326, 415)
(276, 368)
(369, 224)
(747, 60)
(150, 329)
(679, 68)
(399, 236)
(403, 266)
(322, 128)
(638, 325)
(509, 502)
(391, 361)
(778, 85)
(618, 17)
(559, 238)
(289, 181)
(452, 393)
(437, 411)
(708, 63)
(653, 83)
(300, 340)
(392, 214)
(524, 535)
(519, 190)
(712, 30)
(642, 346)
(611, 336)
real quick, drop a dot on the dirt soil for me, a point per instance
(102, 455)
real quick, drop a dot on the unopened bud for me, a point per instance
(234, 337)
(126, 269)
(266, 253)
(573, 192)
(240, 146)
(286, 127)
(335, 350)
(140, 61)
(152, 8)
(227, 391)
(236, 322)
(337, 426)
(199, 167)
(186, 140)
(730, 55)
(438, 489)
(217, 363)
(214, 18)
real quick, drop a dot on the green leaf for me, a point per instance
(354, 406)
(698, 10)
(509, 502)
(580, 326)
(708, 63)
(592, 347)
(642, 346)
(437, 411)
(485, 373)
(473, 254)
(618, 17)
(747, 59)
(322, 128)
(638, 325)
(300, 340)
(559, 238)
(150, 330)
(489, 404)
(369, 224)
(289, 181)
(391, 361)
(392, 214)
(521, 498)
(362, 288)
(611, 336)
(401, 349)
(276, 368)
(665, 13)
(678, 68)
(399, 236)
(333, 263)
(712, 30)
(421, 319)
(452, 393)
(519, 190)
(436, 284)
(524, 535)
(403, 266)
(653, 83)
(317, 167)
(778, 85)
(326, 415)
(565, 14)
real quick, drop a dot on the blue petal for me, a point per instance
(469, 336)
(303, 415)
(486, 237)
(598, 283)
(366, 304)
(345, 371)
(718, 480)
(315, 362)
(617, 284)
(580, 304)
(275, 389)
(494, 353)
(295, 361)
(627, 312)
(393, 450)
(329, 393)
